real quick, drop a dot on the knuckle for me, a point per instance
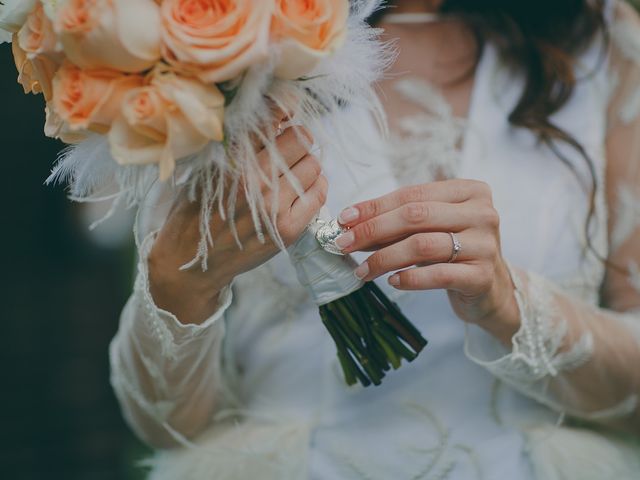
(483, 188)
(414, 213)
(422, 245)
(314, 165)
(376, 261)
(322, 193)
(485, 277)
(366, 230)
(324, 183)
(460, 189)
(491, 250)
(285, 229)
(369, 209)
(409, 278)
(411, 194)
(492, 218)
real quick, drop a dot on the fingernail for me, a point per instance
(349, 215)
(394, 280)
(346, 239)
(362, 271)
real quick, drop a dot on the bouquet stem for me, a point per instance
(371, 334)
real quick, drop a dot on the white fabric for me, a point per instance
(327, 276)
(257, 391)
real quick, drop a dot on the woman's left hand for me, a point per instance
(409, 229)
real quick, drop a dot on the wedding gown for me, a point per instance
(256, 391)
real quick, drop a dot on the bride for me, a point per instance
(509, 237)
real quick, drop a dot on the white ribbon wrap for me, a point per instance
(328, 277)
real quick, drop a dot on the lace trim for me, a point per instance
(536, 354)
(163, 325)
(536, 357)
(428, 145)
(536, 346)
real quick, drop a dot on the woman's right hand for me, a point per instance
(192, 295)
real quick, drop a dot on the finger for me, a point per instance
(272, 130)
(422, 249)
(450, 191)
(291, 146)
(305, 207)
(408, 219)
(294, 144)
(306, 171)
(375, 248)
(463, 278)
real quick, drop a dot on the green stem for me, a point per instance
(371, 334)
(349, 365)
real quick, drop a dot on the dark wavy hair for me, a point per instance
(541, 39)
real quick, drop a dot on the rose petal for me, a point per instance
(118, 34)
(142, 40)
(297, 60)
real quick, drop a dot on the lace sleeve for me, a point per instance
(166, 375)
(572, 356)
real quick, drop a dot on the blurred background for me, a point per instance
(61, 290)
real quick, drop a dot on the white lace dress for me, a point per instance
(256, 391)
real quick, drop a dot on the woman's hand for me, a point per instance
(409, 229)
(192, 295)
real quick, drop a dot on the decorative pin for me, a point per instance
(327, 232)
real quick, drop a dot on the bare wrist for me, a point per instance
(192, 296)
(503, 321)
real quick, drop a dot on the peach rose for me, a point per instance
(90, 99)
(215, 40)
(169, 119)
(56, 127)
(26, 75)
(309, 31)
(117, 34)
(36, 36)
(13, 13)
(34, 51)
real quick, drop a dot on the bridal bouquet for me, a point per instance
(156, 90)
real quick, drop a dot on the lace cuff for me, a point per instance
(536, 347)
(164, 325)
(167, 375)
(562, 351)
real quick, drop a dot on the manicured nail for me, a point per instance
(394, 280)
(362, 271)
(346, 239)
(349, 215)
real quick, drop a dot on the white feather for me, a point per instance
(565, 453)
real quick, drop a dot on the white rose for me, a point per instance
(309, 30)
(13, 14)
